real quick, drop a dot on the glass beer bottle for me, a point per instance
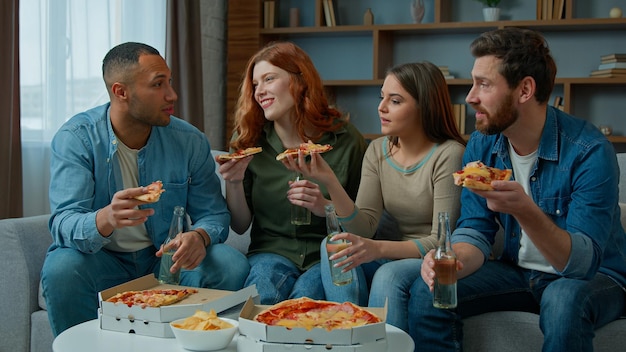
(444, 295)
(332, 226)
(176, 226)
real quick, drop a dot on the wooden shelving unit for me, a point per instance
(246, 38)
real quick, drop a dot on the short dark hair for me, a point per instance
(524, 53)
(121, 58)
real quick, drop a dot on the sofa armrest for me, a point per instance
(24, 243)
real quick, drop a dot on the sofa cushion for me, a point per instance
(25, 242)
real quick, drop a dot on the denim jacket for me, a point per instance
(85, 174)
(575, 183)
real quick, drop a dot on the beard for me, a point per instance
(503, 118)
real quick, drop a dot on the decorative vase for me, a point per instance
(368, 17)
(417, 10)
(491, 14)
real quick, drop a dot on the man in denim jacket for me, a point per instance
(564, 251)
(102, 235)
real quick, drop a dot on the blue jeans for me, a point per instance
(278, 278)
(570, 309)
(392, 283)
(72, 279)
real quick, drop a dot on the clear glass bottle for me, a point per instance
(176, 226)
(332, 226)
(444, 295)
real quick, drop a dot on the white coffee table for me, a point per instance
(89, 337)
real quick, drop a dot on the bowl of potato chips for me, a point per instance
(204, 331)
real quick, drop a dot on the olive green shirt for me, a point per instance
(266, 184)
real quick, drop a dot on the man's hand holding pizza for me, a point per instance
(123, 211)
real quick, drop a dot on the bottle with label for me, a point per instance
(339, 277)
(444, 294)
(177, 226)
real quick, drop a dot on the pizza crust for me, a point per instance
(240, 154)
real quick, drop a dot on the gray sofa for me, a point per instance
(24, 322)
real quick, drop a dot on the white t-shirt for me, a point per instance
(131, 238)
(529, 255)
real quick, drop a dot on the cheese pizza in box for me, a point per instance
(315, 322)
(147, 299)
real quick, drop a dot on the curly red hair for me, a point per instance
(312, 111)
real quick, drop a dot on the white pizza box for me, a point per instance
(205, 299)
(316, 336)
(247, 344)
(136, 326)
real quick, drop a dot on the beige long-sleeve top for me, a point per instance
(413, 196)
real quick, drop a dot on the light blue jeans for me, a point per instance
(278, 278)
(72, 279)
(570, 309)
(392, 283)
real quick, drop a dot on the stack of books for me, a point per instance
(446, 72)
(612, 65)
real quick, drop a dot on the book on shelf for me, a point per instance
(269, 14)
(550, 9)
(329, 13)
(613, 58)
(611, 71)
(558, 102)
(459, 111)
(446, 73)
(611, 65)
(610, 75)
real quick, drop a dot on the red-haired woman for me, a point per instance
(282, 104)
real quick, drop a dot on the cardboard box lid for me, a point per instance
(317, 336)
(206, 299)
(247, 344)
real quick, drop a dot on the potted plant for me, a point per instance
(491, 12)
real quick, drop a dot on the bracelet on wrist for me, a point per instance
(202, 237)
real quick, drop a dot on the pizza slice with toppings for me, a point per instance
(306, 149)
(240, 154)
(154, 193)
(477, 175)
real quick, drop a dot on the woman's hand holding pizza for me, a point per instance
(233, 170)
(360, 250)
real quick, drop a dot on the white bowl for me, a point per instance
(204, 340)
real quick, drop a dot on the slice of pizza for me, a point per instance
(240, 154)
(306, 148)
(154, 193)
(477, 175)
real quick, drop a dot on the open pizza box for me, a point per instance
(154, 321)
(247, 344)
(258, 331)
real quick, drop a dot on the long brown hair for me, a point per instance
(426, 84)
(312, 112)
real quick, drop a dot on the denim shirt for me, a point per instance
(85, 174)
(574, 181)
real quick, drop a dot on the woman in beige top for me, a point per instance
(407, 174)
